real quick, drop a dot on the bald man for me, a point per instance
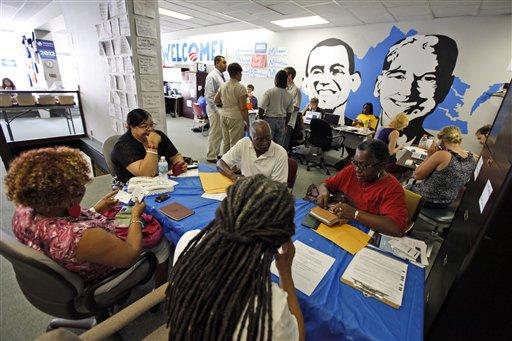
(256, 154)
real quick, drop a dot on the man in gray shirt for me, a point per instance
(213, 82)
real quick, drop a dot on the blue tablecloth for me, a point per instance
(334, 311)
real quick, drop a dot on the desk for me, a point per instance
(408, 155)
(335, 311)
(22, 110)
(175, 104)
(353, 136)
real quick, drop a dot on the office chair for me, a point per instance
(199, 118)
(108, 145)
(321, 137)
(297, 139)
(292, 173)
(414, 203)
(56, 291)
(440, 218)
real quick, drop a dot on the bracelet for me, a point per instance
(152, 147)
(356, 213)
(135, 222)
(151, 152)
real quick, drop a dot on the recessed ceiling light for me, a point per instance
(173, 14)
(304, 21)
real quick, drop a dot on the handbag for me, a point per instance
(152, 231)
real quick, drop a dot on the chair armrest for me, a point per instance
(120, 320)
(119, 283)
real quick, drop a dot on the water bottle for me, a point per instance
(162, 170)
(423, 141)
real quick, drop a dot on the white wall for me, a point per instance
(80, 18)
(484, 43)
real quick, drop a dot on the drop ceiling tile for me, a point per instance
(412, 12)
(400, 3)
(288, 8)
(335, 14)
(309, 3)
(494, 4)
(503, 11)
(455, 11)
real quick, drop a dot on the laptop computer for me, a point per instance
(332, 119)
(311, 115)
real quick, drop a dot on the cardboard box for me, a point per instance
(26, 99)
(46, 100)
(67, 99)
(5, 100)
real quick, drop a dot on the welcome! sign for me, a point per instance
(190, 51)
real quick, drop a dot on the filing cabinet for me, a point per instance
(462, 287)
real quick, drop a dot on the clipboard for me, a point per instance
(378, 276)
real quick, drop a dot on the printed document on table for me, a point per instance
(377, 275)
(308, 268)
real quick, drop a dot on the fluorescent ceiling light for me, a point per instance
(304, 21)
(173, 14)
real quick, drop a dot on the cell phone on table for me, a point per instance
(162, 197)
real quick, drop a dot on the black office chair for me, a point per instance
(321, 136)
(58, 292)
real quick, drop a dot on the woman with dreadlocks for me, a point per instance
(220, 287)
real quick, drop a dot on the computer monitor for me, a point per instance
(311, 115)
(332, 119)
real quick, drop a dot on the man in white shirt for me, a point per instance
(213, 82)
(257, 154)
(297, 98)
(234, 116)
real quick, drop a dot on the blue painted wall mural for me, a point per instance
(405, 72)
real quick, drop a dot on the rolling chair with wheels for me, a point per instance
(440, 218)
(321, 137)
(64, 294)
(200, 118)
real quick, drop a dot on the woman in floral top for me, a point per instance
(47, 185)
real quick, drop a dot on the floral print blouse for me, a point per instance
(58, 237)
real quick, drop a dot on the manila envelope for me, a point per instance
(214, 182)
(346, 236)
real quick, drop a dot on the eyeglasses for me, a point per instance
(146, 125)
(363, 167)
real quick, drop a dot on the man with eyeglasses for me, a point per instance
(374, 198)
(137, 151)
(257, 154)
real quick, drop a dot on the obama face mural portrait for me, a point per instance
(330, 76)
(416, 76)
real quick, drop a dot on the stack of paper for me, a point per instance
(308, 268)
(404, 247)
(377, 275)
